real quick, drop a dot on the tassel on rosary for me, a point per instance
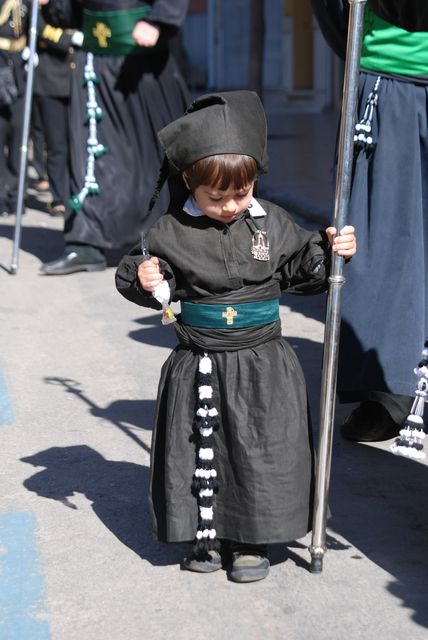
(410, 442)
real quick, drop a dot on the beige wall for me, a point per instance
(301, 11)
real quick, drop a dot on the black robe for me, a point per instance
(263, 450)
(385, 306)
(139, 94)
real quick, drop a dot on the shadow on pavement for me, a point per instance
(309, 306)
(120, 413)
(117, 491)
(379, 503)
(153, 332)
(42, 242)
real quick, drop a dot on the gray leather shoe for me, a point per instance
(248, 567)
(207, 563)
(249, 562)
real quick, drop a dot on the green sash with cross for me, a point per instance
(110, 32)
(230, 316)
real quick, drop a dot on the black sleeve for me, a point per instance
(169, 13)
(54, 38)
(66, 14)
(411, 15)
(128, 284)
(332, 17)
(306, 273)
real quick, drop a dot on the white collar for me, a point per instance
(255, 208)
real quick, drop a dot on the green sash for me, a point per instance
(230, 316)
(110, 32)
(389, 49)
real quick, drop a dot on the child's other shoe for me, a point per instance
(249, 562)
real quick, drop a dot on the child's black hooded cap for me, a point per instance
(214, 124)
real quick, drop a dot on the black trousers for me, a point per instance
(38, 138)
(11, 118)
(54, 113)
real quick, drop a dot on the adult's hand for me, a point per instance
(145, 34)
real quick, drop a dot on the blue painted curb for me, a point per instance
(22, 590)
(6, 411)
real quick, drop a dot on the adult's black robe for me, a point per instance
(139, 94)
(385, 305)
(262, 451)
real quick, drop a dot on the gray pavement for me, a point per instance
(78, 376)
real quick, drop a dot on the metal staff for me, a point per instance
(25, 136)
(336, 280)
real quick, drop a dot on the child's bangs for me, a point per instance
(223, 171)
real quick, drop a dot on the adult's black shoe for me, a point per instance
(369, 422)
(71, 263)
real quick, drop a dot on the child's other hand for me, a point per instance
(345, 244)
(145, 34)
(149, 274)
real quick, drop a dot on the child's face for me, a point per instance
(223, 206)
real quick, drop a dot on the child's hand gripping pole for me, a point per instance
(161, 292)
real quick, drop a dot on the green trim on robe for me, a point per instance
(389, 49)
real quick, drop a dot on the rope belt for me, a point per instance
(236, 316)
(11, 44)
(110, 32)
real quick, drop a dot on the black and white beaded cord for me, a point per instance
(204, 484)
(410, 442)
(363, 137)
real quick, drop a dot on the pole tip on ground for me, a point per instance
(316, 565)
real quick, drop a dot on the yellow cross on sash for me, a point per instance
(101, 33)
(229, 314)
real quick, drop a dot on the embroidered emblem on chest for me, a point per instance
(260, 246)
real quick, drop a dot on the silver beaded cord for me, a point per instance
(410, 442)
(94, 148)
(363, 137)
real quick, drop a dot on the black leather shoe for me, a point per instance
(71, 263)
(370, 422)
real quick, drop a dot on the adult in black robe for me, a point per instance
(138, 93)
(385, 307)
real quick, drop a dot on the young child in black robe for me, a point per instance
(231, 451)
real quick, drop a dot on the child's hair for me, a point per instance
(221, 171)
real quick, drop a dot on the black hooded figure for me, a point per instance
(258, 449)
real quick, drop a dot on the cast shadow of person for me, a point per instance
(117, 491)
(129, 416)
